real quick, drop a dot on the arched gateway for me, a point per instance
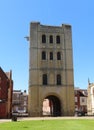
(54, 106)
(50, 71)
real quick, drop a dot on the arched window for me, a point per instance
(58, 39)
(43, 55)
(43, 38)
(58, 79)
(51, 55)
(51, 39)
(58, 56)
(44, 79)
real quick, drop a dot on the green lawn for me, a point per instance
(80, 124)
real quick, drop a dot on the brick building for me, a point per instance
(81, 101)
(6, 87)
(20, 102)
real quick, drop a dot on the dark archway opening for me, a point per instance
(51, 106)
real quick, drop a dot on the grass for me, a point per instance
(80, 124)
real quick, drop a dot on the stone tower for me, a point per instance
(51, 70)
(90, 99)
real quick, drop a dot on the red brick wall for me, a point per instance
(4, 85)
(3, 110)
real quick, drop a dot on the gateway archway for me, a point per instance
(51, 70)
(51, 106)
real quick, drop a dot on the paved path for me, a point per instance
(45, 118)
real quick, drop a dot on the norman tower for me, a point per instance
(90, 99)
(51, 70)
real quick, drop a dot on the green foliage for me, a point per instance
(80, 124)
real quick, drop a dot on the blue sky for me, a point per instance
(15, 18)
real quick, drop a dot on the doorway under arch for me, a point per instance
(51, 106)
